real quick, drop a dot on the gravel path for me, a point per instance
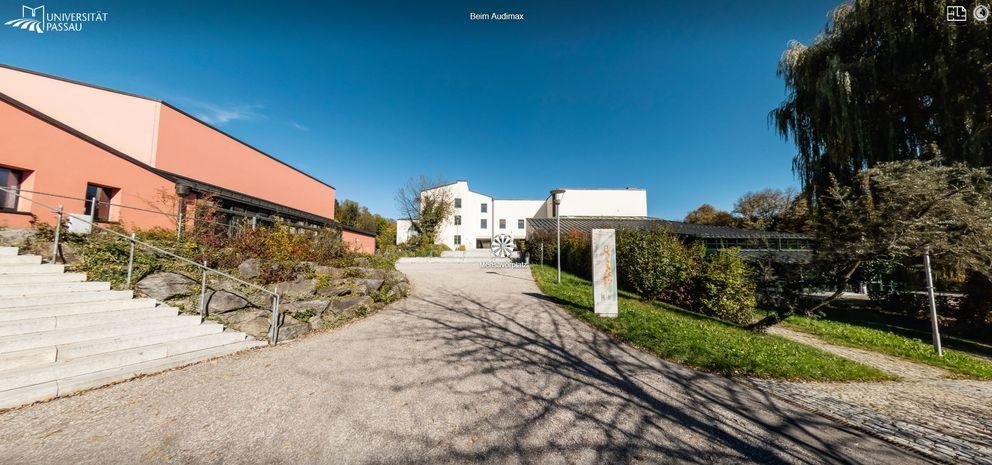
(900, 367)
(475, 367)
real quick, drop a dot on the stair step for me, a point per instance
(41, 278)
(8, 250)
(51, 389)
(63, 298)
(44, 268)
(88, 333)
(50, 354)
(21, 377)
(41, 311)
(34, 289)
(20, 259)
(52, 323)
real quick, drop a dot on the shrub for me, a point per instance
(656, 265)
(724, 288)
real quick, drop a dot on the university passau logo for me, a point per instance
(36, 19)
(32, 19)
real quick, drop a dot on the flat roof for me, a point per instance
(702, 231)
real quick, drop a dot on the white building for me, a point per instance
(479, 217)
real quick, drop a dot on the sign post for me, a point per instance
(604, 272)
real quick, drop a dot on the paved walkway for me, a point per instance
(900, 367)
(948, 419)
(474, 367)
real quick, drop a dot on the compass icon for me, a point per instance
(502, 246)
(981, 13)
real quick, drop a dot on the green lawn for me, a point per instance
(699, 341)
(893, 344)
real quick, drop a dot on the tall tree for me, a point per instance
(427, 204)
(347, 213)
(709, 215)
(887, 80)
(893, 212)
(761, 209)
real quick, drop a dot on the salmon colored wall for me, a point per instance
(62, 163)
(123, 122)
(358, 242)
(192, 149)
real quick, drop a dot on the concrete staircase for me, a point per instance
(61, 334)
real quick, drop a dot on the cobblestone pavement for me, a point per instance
(950, 420)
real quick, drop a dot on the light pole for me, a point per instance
(933, 304)
(556, 200)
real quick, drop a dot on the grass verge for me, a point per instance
(700, 341)
(889, 343)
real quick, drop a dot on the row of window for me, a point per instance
(102, 195)
(484, 223)
(484, 208)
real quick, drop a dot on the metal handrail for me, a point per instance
(93, 202)
(273, 330)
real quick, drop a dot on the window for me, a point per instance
(458, 240)
(9, 179)
(485, 207)
(458, 220)
(502, 224)
(458, 203)
(520, 224)
(483, 224)
(102, 195)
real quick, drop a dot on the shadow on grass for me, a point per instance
(902, 328)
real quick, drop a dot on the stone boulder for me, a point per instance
(339, 288)
(396, 276)
(352, 306)
(369, 285)
(225, 301)
(291, 328)
(396, 292)
(165, 285)
(250, 269)
(334, 273)
(257, 326)
(316, 307)
(298, 287)
(17, 237)
(241, 316)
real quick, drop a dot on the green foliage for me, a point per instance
(104, 258)
(427, 204)
(709, 215)
(892, 344)
(724, 288)
(886, 80)
(699, 341)
(657, 265)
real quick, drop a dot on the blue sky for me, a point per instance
(669, 96)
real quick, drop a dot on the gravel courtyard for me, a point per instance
(474, 367)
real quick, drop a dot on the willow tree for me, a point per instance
(887, 80)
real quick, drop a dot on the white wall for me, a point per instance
(512, 211)
(604, 202)
(574, 202)
(404, 229)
